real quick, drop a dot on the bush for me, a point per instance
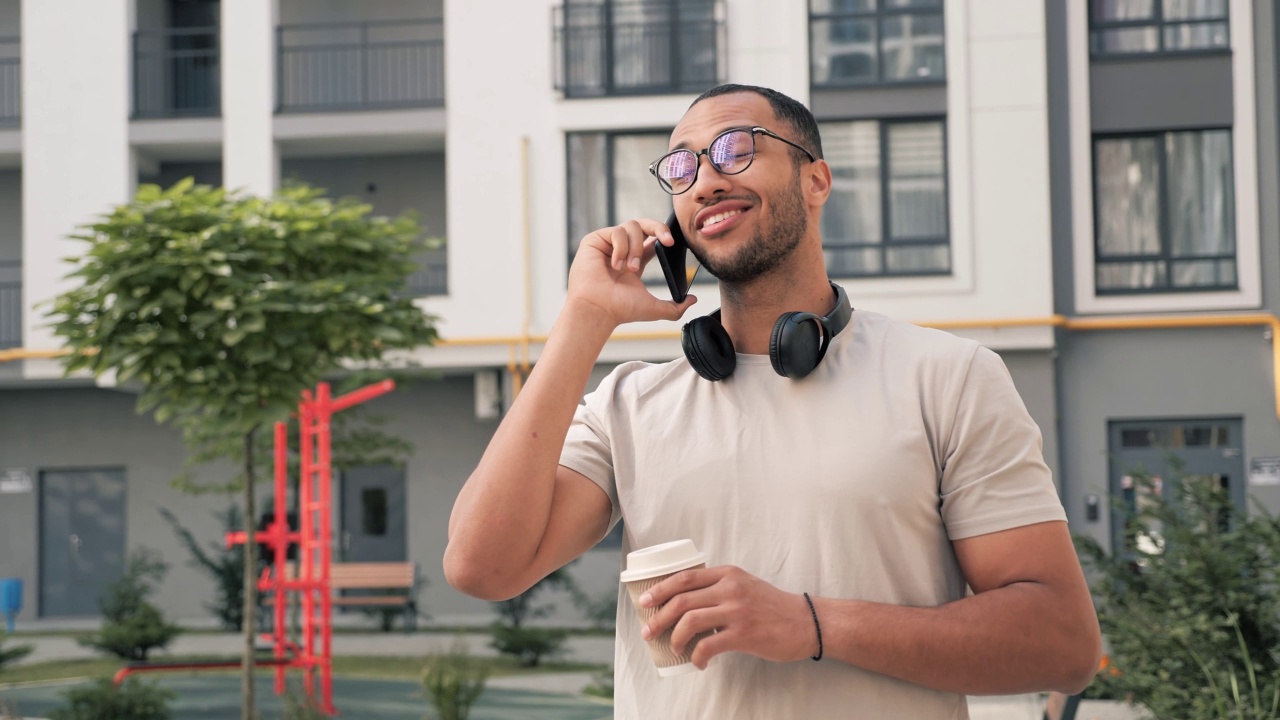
(104, 701)
(12, 654)
(301, 706)
(601, 684)
(133, 627)
(1189, 604)
(529, 645)
(225, 566)
(453, 682)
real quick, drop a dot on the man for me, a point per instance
(844, 512)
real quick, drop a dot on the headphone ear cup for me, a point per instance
(795, 347)
(708, 348)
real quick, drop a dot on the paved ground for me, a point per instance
(540, 697)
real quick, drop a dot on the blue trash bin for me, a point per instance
(10, 600)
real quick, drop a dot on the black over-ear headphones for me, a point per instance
(797, 345)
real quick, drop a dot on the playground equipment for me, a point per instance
(309, 580)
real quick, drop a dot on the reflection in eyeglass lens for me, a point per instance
(730, 149)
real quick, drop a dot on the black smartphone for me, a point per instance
(674, 261)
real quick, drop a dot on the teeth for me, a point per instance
(720, 217)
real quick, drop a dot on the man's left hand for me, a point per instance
(747, 614)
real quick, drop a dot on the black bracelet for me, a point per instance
(816, 626)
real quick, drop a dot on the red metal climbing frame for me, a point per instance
(314, 538)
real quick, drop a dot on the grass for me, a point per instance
(382, 667)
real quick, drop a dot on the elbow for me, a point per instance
(477, 578)
(1081, 664)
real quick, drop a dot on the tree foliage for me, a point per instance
(131, 626)
(1189, 604)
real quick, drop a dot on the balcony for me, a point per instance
(10, 80)
(325, 67)
(644, 47)
(176, 73)
(10, 304)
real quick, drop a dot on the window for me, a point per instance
(609, 182)
(887, 213)
(1165, 212)
(856, 42)
(373, 511)
(1123, 27)
(636, 47)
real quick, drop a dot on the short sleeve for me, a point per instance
(994, 476)
(587, 447)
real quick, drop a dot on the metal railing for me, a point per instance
(354, 66)
(176, 73)
(10, 304)
(432, 275)
(10, 80)
(639, 47)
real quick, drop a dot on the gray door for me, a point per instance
(1208, 450)
(81, 538)
(373, 527)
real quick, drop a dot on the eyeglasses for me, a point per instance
(730, 153)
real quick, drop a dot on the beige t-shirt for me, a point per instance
(849, 483)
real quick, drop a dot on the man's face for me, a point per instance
(740, 226)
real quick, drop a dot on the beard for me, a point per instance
(769, 245)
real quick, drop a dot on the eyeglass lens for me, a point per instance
(729, 153)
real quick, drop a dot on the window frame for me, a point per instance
(701, 278)
(1165, 255)
(1158, 22)
(886, 201)
(878, 14)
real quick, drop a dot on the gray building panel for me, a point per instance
(878, 102)
(1035, 377)
(1161, 375)
(1061, 227)
(1160, 93)
(10, 215)
(1266, 82)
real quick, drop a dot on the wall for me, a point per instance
(392, 184)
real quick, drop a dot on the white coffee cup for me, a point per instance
(648, 567)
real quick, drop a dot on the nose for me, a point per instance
(709, 181)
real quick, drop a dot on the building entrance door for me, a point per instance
(82, 525)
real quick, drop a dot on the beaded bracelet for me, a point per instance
(816, 626)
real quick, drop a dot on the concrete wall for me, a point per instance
(392, 184)
(326, 11)
(10, 17)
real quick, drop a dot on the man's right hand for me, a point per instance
(605, 274)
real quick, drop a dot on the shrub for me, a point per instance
(301, 706)
(12, 654)
(132, 626)
(601, 684)
(104, 701)
(225, 566)
(529, 645)
(1189, 604)
(453, 682)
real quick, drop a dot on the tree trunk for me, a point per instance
(250, 619)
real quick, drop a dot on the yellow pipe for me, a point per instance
(523, 341)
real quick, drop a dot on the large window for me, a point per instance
(887, 213)
(637, 47)
(857, 42)
(1122, 27)
(609, 182)
(1165, 212)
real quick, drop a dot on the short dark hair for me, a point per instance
(787, 109)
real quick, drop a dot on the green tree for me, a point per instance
(223, 308)
(12, 654)
(1189, 604)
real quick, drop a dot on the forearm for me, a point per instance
(513, 485)
(1015, 639)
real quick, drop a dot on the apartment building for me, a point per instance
(1008, 170)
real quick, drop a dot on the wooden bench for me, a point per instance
(392, 576)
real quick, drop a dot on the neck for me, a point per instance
(749, 310)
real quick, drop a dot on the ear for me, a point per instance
(817, 183)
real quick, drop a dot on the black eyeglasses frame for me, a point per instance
(697, 156)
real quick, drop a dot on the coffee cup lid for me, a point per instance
(662, 559)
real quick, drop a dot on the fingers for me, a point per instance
(681, 582)
(631, 243)
(674, 610)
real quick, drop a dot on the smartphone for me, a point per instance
(674, 262)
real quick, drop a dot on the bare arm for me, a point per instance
(1030, 625)
(549, 514)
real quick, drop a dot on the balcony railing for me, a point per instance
(644, 47)
(356, 66)
(10, 304)
(176, 73)
(432, 276)
(10, 80)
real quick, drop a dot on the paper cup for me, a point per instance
(648, 567)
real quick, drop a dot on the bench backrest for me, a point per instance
(352, 576)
